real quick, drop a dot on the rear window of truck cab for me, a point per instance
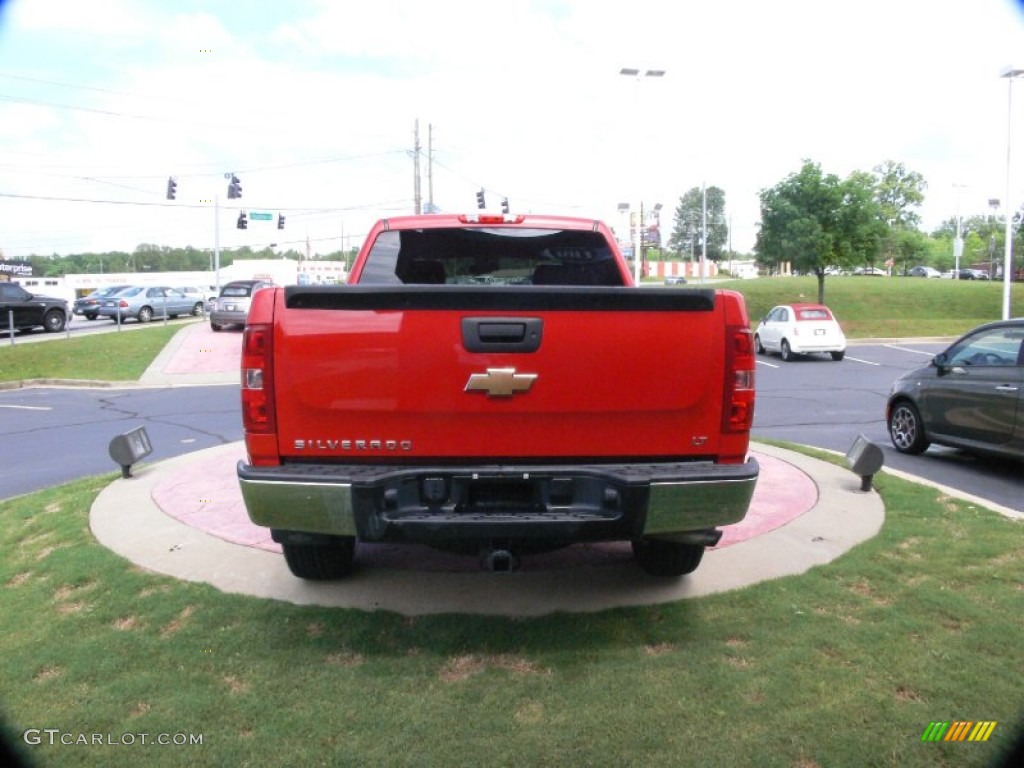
(490, 256)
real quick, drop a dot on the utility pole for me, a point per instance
(704, 233)
(416, 168)
(430, 168)
(216, 242)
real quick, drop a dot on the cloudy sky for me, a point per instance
(314, 105)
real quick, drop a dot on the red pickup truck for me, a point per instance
(494, 384)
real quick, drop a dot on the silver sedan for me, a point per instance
(144, 302)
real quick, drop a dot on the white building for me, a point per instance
(280, 271)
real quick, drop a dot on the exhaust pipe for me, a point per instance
(499, 561)
(705, 538)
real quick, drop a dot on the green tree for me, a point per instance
(816, 221)
(898, 192)
(687, 228)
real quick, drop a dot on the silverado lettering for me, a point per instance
(550, 401)
(348, 445)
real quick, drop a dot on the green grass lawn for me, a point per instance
(120, 356)
(845, 665)
(885, 307)
(888, 307)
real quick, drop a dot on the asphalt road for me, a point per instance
(50, 436)
(816, 401)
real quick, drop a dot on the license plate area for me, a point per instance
(481, 495)
(459, 505)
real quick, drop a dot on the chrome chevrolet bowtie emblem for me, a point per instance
(500, 382)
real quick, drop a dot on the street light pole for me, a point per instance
(216, 242)
(1009, 73)
(958, 243)
(638, 235)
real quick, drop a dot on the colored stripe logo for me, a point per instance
(958, 730)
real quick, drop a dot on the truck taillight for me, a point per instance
(738, 407)
(257, 379)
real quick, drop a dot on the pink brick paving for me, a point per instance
(206, 496)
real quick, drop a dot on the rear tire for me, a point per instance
(758, 345)
(786, 352)
(197, 310)
(321, 562)
(667, 558)
(906, 429)
(216, 327)
(90, 317)
(837, 356)
(145, 315)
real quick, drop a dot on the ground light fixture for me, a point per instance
(127, 448)
(865, 459)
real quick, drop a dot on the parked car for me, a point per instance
(203, 294)
(89, 305)
(923, 271)
(875, 271)
(799, 329)
(675, 280)
(232, 306)
(967, 274)
(971, 396)
(27, 311)
(144, 302)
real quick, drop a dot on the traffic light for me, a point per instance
(242, 222)
(172, 187)
(480, 199)
(280, 221)
(504, 205)
(234, 188)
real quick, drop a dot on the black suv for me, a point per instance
(29, 310)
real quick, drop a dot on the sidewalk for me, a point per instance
(197, 356)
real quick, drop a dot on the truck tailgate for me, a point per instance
(448, 372)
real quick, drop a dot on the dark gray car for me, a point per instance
(89, 305)
(971, 396)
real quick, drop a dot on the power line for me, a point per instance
(40, 102)
(205, 206)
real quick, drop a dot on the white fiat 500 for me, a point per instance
(800, 329)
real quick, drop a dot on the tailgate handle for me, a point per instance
(502, 334)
